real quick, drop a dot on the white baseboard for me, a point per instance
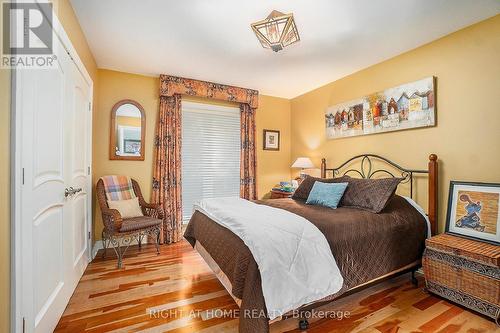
(98, 246)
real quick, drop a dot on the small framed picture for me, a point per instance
(473, 211)
(271, 140)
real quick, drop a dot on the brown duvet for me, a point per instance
(365, 246)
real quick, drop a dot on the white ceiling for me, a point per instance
(212, 40)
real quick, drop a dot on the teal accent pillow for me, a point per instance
(326, 194)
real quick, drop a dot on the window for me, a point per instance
(210, 153)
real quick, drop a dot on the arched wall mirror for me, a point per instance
(128, 129)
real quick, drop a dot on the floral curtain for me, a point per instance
(172, 85)
(248, 160)
(167, 151)
(167, 167)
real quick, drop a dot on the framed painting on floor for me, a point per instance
(473, 211)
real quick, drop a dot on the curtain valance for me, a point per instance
(171, 85)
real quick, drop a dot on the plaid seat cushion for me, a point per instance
(118, 188)
(140, 222)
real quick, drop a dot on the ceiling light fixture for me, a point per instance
(277, 31)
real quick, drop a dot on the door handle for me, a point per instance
(70, 191)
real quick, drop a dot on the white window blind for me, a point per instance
(210, 153)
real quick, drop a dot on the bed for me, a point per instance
(367, 247)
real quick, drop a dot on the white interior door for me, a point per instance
(53, 105)
(78, 143)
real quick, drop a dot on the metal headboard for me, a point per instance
(367, 170)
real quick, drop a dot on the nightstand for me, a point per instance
(276, 194)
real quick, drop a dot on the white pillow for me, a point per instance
(127, 208)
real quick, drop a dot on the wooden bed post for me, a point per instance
(323, 168)
(433, 192)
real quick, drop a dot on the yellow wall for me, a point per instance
(273, 166)
(273, 113)
(467, 136)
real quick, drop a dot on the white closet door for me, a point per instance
(79, 140)
(55, 122)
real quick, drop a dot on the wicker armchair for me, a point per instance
(119, 232)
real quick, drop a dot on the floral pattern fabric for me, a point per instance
(167, 167)
(248, 160)
(167, 172)
(172, 85)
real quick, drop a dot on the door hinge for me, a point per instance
(89, 234)
(23, 176)
(90, 106)
(24, 325)
(88, 171)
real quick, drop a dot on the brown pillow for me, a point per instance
(369, 194)
(302, 192)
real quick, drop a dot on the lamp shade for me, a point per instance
(303, 163)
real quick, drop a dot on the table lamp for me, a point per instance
(303, 163)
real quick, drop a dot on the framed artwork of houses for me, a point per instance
(474, 211)
(410, 105)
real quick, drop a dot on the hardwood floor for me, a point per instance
(182, 286)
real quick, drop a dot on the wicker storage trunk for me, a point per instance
(464, 271)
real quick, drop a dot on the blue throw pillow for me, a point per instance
(326, 194)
